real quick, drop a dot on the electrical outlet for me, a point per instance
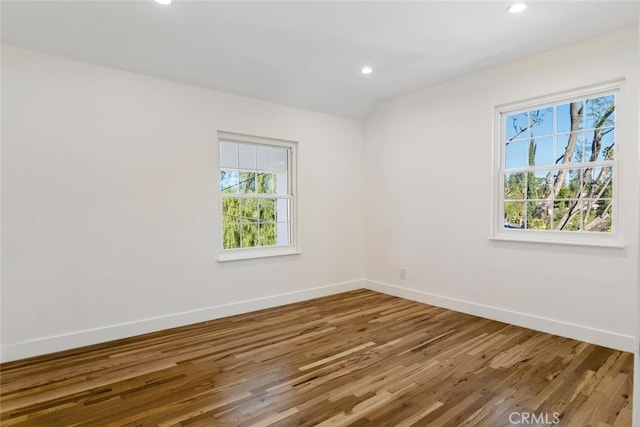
(403, 273)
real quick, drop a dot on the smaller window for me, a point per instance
(257, 194)
(557, 169)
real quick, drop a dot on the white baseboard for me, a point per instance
(543, 324)
(51, 344)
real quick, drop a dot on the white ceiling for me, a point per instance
(301, 53)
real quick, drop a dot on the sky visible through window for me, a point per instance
(551, 131)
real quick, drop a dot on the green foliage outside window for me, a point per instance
(248, 222)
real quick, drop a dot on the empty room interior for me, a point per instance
(300, 213)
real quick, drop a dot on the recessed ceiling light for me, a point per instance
(164, 2)
(517, 8)
(366, 70)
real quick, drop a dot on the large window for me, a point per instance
(556, 177)
(257, 196)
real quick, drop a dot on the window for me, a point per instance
(556, 174)
(257, 184)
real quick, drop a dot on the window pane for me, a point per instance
(602, 140)
(514, 186)
(250, 237)
(268, 210)
(228, 155)
(608, 142)
(591, 141)
(565, 115)
(579, 150)
(247, 156)
(229, 181)
(541, 122)
(600, 112)
(517, 126)
(249, 210)
(247, 182)
(267, 234)
(514, 214)
(264, 159)
(230, 210)
(598, 182)
(280, 159)
(539, 185)
(597, 215)
(282, 183)
(283, 234)
(566, 215)
(516, 154)
(231, 236)
(570, 187)
(542, 152)
(538, 217)
(571, 144)
(282, 212)
(265, 183)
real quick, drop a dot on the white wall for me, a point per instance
(110, 205)
(428, 201)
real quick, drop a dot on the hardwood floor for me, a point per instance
(360, 358)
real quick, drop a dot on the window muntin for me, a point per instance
(256, 187)
(557, 166)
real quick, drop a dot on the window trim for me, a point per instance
(581, 238)
(234, 254)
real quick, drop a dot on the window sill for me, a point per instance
(241, 254)
(555, 238)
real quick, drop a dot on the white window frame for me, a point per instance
(584, 238)
(262, 251)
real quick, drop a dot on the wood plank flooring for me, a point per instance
(360, 358)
